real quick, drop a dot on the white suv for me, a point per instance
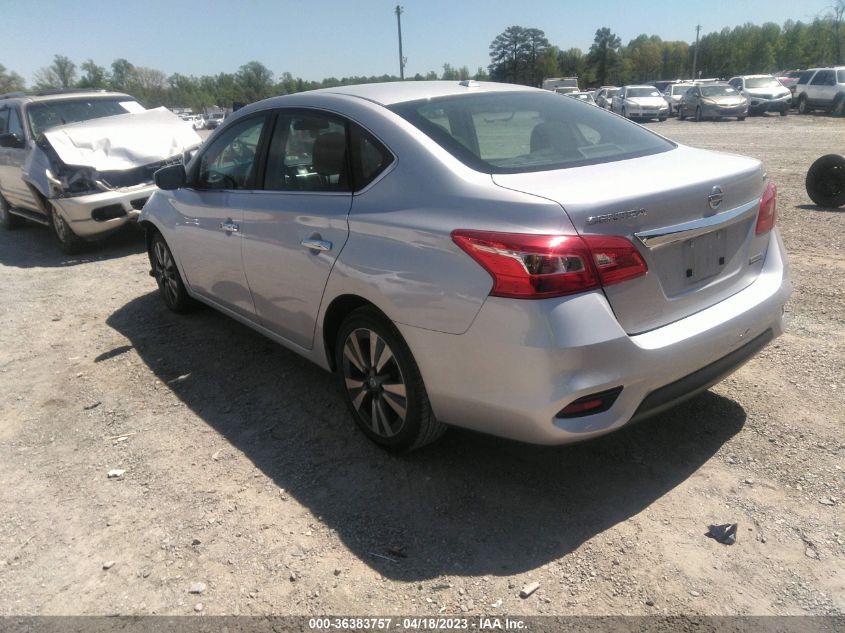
(821, 88)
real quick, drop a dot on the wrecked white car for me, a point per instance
(82, 162)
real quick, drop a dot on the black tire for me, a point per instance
(698, 114)
(624, 113)
(803, 106)
(169, 281)
(69, 242)
(784, 112)
(9, 221)
(661, 119)
(681, 115)
(363, 378)
(826, 181)
(740, 118)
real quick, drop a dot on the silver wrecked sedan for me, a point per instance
(712, 101)
(480, 255)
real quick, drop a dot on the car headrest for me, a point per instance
(329, 154)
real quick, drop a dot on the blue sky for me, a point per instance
(323, 38)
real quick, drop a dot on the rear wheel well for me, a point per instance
(337, 311)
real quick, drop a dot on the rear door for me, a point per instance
(294, 229)
(210, 214)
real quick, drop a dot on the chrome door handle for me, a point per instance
(230, 227)
(317, 245)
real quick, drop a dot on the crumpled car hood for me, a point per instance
(124, 141)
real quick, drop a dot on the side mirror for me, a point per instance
(11, 141)
(171, 177)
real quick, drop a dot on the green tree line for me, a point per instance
(517, 55)
(524, 55)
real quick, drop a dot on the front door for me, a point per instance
(12, 160)
(210, 215)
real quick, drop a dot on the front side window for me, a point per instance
(230, 161)
(14, 126)
(308, 153)
(46, 114)
(4, 120)
(518, 132)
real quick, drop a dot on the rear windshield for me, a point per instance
(680, 89)
(762, 82)
(46, 114)
(717, 91)
(642, 92)
(515, 132)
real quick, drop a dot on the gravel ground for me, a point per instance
(241, 470)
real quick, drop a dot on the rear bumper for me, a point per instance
(522, 362)
(98, 214)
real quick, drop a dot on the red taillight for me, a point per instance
(539, 266)
(767, 215)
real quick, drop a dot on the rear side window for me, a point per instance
(308, 152)
(518, 132)
(4, 120)
(840, 76)
(804, 77)
(369, 157)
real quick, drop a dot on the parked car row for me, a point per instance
(204, 121)
(740, 96)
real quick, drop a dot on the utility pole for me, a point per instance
(695, 52)
(399, 26)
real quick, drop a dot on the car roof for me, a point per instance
(638, 86)
(754, 76)
(389, 93)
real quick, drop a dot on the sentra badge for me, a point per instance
(615, 217)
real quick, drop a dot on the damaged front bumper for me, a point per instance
(99, 213)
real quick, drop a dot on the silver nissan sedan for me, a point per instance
(480, 255)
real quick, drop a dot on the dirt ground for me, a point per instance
(244, 472)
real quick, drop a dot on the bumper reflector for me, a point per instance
(588, 405)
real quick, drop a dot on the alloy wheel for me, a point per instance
(164, 270)
(60, 226)
(374, 382)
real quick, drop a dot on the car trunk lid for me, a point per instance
(690, 213)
